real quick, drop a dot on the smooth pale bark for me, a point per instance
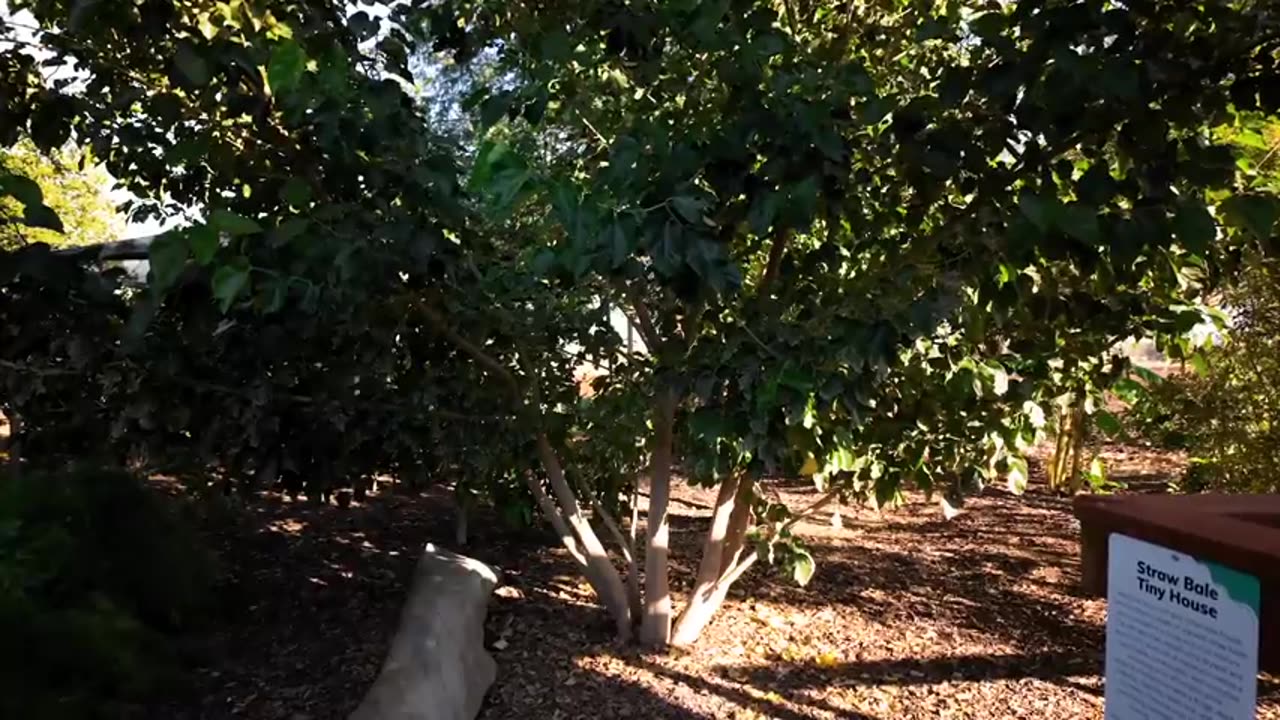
(739, 523)
(703, 607)
(655, 627)
(601, 573)
(557, 521)
(633, 579)
(690, 622)
(628, 547)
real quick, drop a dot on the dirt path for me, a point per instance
(909, 616)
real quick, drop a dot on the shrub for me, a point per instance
(1227, 413)
(95, 570)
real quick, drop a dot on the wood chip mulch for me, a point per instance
(909, 616)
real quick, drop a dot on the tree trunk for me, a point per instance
(655, 627)
(1077, 445)
(739, 523)
(692, 619)
(703, 606)
(1061, 450)
(601, 573)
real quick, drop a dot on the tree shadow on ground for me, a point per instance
(314, 592)
(311, 595)
(1051, 666)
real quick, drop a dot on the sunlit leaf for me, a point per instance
(288, 63)
(804, 567)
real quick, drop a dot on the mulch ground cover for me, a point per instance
(909, 616)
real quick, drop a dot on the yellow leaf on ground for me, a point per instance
(827, 660)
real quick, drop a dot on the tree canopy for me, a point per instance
(868, 243)
(76, 190)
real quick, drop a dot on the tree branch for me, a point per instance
(557, 520)
(736, 572)
(739, 521)
(441, 326)
(648, 331)
(600, 571)
(628, 547)
(615, 530)
(776, 252)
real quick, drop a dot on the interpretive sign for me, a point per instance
(1182, 636)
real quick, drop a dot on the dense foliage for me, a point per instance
(74, 188)
(872, 243)
(1224, 410)
(95, 570)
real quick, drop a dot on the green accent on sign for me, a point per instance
(1240, 587)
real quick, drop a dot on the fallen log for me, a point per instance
(437, 667)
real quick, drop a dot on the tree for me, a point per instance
(76, 190)
(859, 242)
(862, 240)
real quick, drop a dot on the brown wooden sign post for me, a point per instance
(1241, 532)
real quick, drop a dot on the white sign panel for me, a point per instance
(1182, 636)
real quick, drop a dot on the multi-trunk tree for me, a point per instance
(867, 241)
(857, 241)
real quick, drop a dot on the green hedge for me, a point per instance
(96, 570)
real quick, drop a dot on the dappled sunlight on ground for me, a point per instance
(908, 616)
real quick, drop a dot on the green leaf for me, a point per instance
(988, 26)
(1097, 474)
(168, 255)
(1096, 186)
(233, 224)
(1017, 476)
(228, 282)
(1035, 414)
(1199, 363)
(1042, 212)
(874, 110)
(204, 243)
(507, 186)
(296, 192)
(999, 378)
(1120, 79)
(24, 189)
(285, 68)
(1081, 223)
(803, 568)
(1108, 423)
(615, 242)
(289, 229)
(1255, 213)
(763, 209)
(932, 29)
(543, 262)
(688, 208)
(1194, 226)
(363, 25)
(1129, 391)
(1148, 375)
(491, 159)
(191, 65)
(494, 108)
(42, 216)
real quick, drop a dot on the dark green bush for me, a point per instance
(1164, 413)
(96, 570)
(1226, 414)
